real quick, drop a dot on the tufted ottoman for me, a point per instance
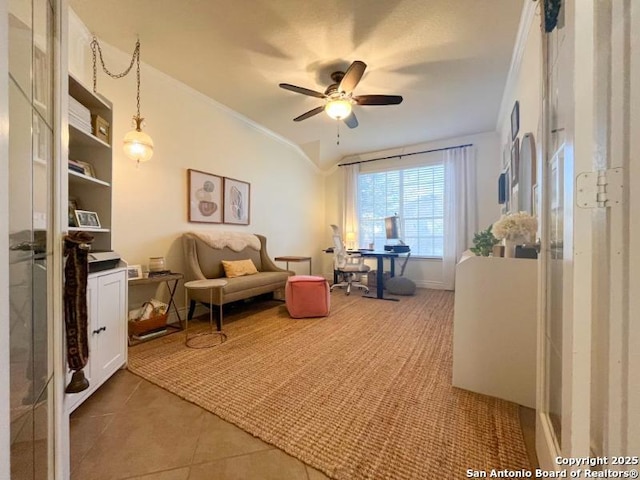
(307, 296)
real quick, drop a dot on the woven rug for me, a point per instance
(362, 394)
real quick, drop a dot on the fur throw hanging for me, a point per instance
(236, 241)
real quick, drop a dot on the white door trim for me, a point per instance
(5, 443)
(632, 381)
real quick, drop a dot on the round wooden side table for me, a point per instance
(199, 340)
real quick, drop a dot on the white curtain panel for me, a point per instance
(350, 214)
(460, 208)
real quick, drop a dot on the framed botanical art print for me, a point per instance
(236, 201)
(205, 197)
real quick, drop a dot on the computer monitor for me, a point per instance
(392, 227)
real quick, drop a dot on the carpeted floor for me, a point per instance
(362, 394)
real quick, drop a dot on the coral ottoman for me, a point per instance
(307, 296)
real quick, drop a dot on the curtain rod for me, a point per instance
(406, 154)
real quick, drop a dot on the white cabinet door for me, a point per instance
(107, 320)
(110, 341)
(74, 399)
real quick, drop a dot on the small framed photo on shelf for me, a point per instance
(134, 272)
(236, 201)
(515, 120)
(73, 206)
(205, 197)
(87, 219)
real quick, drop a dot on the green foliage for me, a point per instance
(483, 242)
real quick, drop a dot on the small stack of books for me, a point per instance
(160, 273)
(76, 167)
(79, 115)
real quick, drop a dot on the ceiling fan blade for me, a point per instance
(378, 99)
(352, 76)
(302, 90)
(351, 120)
(310, 113)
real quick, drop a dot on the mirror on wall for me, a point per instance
(526, 173)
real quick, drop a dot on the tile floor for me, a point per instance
(110, 435)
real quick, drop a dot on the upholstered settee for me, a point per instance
(204, 253)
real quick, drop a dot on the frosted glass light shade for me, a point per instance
(338, 109)
(138, 146)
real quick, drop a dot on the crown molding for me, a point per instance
(526, 21)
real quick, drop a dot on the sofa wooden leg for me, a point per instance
(192, 308)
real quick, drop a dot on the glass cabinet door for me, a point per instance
(31, 117)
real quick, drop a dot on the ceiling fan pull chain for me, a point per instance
(338, 127)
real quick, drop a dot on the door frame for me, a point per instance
(577, 315)
(632, 435)
(601, 362)
(62, 449)
(5, 427)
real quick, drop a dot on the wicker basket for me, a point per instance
(140, 327)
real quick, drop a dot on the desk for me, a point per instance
(293, 258)
(380, 256)
(170, 277)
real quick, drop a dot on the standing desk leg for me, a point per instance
(380, 279)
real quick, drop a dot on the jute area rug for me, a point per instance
(362, 394)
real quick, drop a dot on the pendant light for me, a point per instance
(137, 145)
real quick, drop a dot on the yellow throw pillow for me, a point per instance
(238, 268)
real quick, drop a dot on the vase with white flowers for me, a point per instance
(515, 229)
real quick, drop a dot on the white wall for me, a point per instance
(427, 273)
(524, 85)
(193, 131)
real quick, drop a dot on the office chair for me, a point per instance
(349, 265)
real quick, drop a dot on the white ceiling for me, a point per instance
(448, 58)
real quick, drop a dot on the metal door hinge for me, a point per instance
(599, 189)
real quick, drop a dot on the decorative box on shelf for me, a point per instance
(100, 128)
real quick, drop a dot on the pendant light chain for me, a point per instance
(95, 47)
(137, 145)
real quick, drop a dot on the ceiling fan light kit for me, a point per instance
(339, 96)
(338, 108)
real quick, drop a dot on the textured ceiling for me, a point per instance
(448, 59)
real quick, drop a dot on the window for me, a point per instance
(416, 194)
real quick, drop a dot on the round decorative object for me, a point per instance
(156, 264)
(400, 286)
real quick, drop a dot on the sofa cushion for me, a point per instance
(238, 268)
(259, 279)
(210, 259)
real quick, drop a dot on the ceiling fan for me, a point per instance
(339, 98)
